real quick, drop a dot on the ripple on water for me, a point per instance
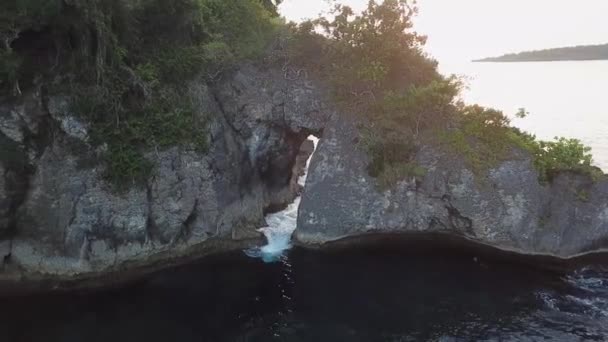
(587, 293)
(384, 292)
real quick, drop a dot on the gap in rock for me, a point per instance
(282, 224)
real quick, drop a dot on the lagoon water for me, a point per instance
(567, 99)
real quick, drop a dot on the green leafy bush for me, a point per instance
(392, 157)
(564, 155)
(482, 135)
(126, 64)
(419, 107)
(397, 172)
(126, 166)
(165, 121)
(376, 68)
(485, 138)
(375, 51)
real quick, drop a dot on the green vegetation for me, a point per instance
(564, 154)
(127, 64)
(376, 66)
(582, 196)
(485, 137)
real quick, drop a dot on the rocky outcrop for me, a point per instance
(508, 208)
(59, 219)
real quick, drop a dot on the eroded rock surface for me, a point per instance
(59, 218)
(507, 208)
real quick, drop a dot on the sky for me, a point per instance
(461, 30)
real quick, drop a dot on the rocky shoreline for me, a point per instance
(60, 219)
(13, 282)
(508, 208)
(416, 243)
(421, 243)
(62, 227)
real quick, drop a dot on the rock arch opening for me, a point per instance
(280, 225)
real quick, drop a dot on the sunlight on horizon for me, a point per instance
(459, 31)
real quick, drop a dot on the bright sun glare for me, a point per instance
(468, 29)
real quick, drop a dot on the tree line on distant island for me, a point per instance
(576, 53)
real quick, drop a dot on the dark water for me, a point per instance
(378, 293)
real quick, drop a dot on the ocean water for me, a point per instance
(567, 99)
(385, 291)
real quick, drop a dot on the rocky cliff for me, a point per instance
(59, 218)
(507, 208)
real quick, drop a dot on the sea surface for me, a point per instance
(380, 292)
(567, 99)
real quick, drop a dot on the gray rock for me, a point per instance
(508, 208)
(13, 182)
(10, 126)
(273, 115)
(5, 203)
(72, 224)
(59, 109)
(255, 103)
(174, 193)
(67, 209)
(5, 250)
(22, 118)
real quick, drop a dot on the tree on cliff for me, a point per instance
(272, 6)
(126, 64)
(377, 68)
(372, 52)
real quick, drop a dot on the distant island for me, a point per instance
(576, 53)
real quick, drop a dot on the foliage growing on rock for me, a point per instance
(127, 63)
(565, 155)
(372, 60)
(376, 66)
(485, 138)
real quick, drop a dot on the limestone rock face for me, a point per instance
(4, 203)
(507, 208)
(60, 219)
(273, 118)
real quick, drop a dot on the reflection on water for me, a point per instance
(563, 98)
(382, 292)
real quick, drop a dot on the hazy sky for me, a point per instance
(461, 30)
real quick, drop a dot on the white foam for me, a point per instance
(594, 305)
(281, 225)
